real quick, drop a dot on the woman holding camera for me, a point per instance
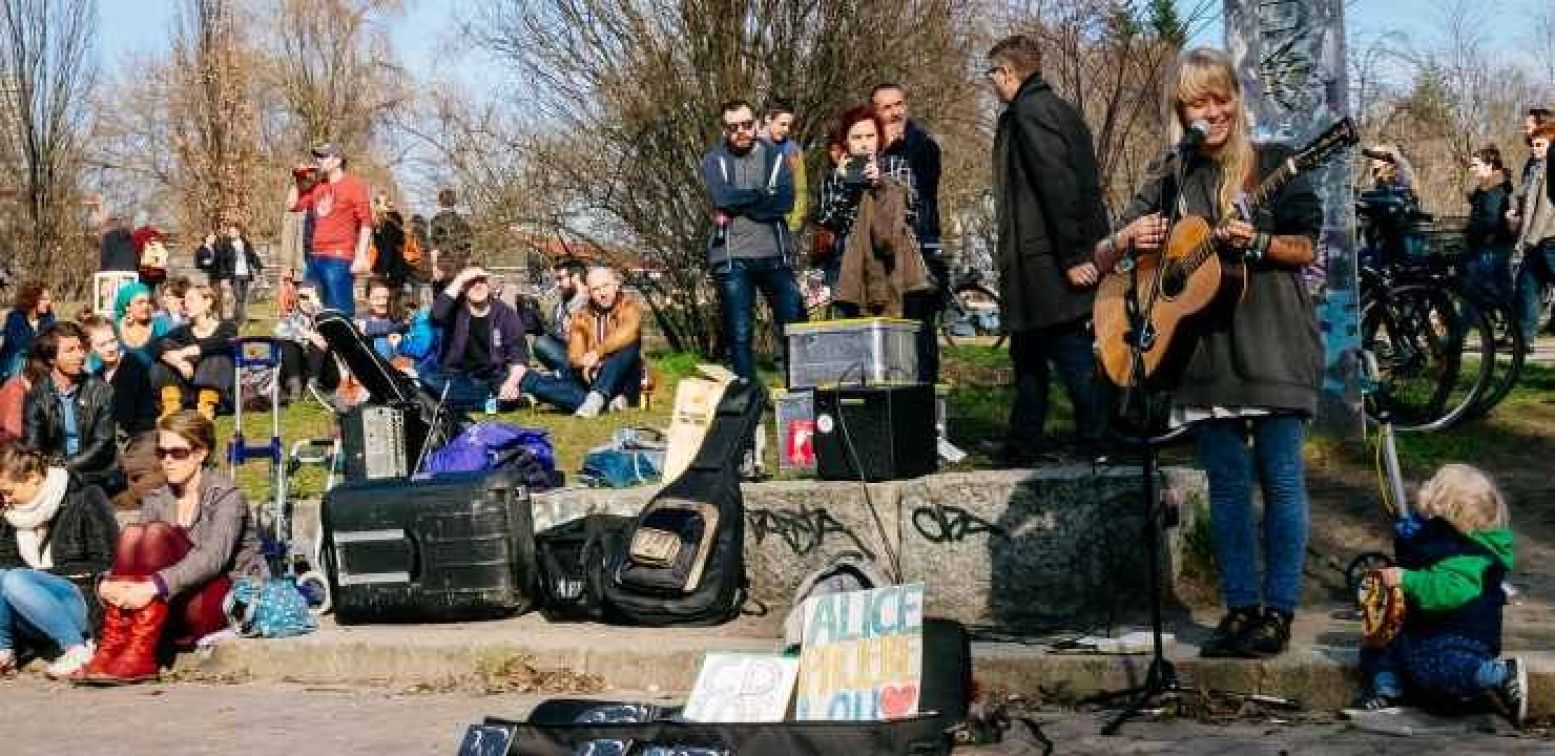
(870, 203)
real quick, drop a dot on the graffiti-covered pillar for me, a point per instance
(1290, 56)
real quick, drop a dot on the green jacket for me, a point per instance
(1457, 580)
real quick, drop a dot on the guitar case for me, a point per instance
(684, 560)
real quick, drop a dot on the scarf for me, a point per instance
(32, 519)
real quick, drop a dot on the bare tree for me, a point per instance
(333, 68)
(47, 73)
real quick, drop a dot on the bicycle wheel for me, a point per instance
(971, 315)
(1433, 350)
(1510, 353)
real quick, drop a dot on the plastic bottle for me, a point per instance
(491, 404)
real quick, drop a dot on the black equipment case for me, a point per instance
(888, 430)
(453, 548)
(385, 436)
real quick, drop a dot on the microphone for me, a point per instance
(1193, 137)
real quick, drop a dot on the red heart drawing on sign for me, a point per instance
(899, 701)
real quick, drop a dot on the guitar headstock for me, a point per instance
(1338, 137)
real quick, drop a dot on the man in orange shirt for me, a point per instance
(338, 227)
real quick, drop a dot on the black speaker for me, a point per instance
(890, 429)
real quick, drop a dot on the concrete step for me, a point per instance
(597, 658)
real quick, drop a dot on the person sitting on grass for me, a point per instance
(31, 312)
(173, 570)
(194, 360)
(1451, 569)
(13, 399)
(483, 351)
(134, 409)
(604, 347)
(396, 339)
(137, 323)
(305, 355)
(170, 296)
(69, 413)
(56, 537)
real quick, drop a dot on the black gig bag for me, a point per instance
(684, 561)
(574, 559)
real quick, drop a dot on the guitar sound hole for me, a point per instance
(1172, 284)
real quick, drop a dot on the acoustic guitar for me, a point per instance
(1190, 283)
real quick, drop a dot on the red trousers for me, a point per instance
(144, 550)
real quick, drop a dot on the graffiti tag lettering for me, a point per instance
(803, 530)
(939, 524)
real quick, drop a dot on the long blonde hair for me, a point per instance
(1465, 496)
(1206, 72)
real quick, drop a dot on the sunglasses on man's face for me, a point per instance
(738, 126)
(179, 453)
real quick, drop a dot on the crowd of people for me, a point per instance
(160, 367)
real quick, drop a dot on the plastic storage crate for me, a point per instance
(864, 350)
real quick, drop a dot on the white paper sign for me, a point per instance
(742, 688)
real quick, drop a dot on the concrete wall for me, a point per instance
(1019, 550)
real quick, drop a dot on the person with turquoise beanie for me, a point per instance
(136, 321)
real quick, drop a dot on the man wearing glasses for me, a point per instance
(752, 191)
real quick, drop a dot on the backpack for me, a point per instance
(494, 445)
(574, 558)
(842, 576)
(683, 561)
(268, 608)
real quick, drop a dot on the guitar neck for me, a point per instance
(1255, 201)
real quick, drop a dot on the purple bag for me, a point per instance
(492, 445)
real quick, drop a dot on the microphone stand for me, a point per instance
(1161, 679)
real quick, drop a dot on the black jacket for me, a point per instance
(1268, 354)
(389, 239)
(45, 428)
(922, 153)
(1487, 225)
(134, 406)
(227, 255)
(82, 535)
(117, 252)
(1050, 210)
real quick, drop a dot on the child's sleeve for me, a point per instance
(1448, 584)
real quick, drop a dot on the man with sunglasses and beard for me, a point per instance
(751, 187)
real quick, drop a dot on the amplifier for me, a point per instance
(890, 430)
(381, 442)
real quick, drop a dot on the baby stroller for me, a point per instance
(285, 555)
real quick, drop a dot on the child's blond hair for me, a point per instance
(1466, 497)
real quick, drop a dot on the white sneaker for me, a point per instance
(619, 404)
(7, 661)
(70, 662)
(591, 406)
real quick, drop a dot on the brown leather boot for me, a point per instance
(172, 401)
(209, 398)
(136, 660)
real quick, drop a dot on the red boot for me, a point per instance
(111, 638)
(136, 660)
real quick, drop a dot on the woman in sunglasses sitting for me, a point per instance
(56, 537)
(172, 571)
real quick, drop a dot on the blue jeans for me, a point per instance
(738, 281)
(1228, 463)
(551, 351)
(467, 392)
(620, 374)
(1488, 273)
(1069, 349)
(333, 277)
(1536, 273)
(1449, 666)
(38, 604)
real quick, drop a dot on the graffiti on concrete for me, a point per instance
(804, 530)
(940, 524)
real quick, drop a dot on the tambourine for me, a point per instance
(1382, 610)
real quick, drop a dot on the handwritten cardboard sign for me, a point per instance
(742, 688)
(862, 655)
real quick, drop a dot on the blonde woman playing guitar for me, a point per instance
(1252, 372)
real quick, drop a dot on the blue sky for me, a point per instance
(142, 25)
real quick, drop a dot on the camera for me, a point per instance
(853, 171)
